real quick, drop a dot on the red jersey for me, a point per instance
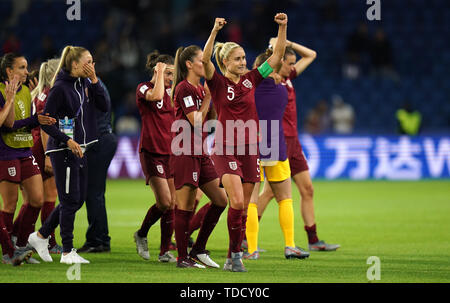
(39, 104)
(236, 102)
(290, 113)
(157, 118)
(187, 99)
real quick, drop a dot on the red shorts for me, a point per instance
(297, 160)
(155, 165)
(246, 166)
(18, 170)
(39, 155)
(193, 170)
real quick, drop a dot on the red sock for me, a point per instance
(234, 222)
(46, 210)
(243, 228)
(5, 240)
(153, 214)
(167, 225)
(211, 218)
(28, 221)
(8, 221)
(16, 225)
(182, 218)
(197, 219)
(312, 234)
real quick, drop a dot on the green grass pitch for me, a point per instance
(405, 224)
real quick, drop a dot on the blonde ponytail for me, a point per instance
(222, 51)
(47, 72)
(69, 54)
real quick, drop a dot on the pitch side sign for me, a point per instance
(340, 157)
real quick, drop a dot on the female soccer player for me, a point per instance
(194, 166)
(157, 114)
(10, 254)
(291, 69)
(39, 96)
(17, 164)
(233, 98)
(72, 100)
(271, 98)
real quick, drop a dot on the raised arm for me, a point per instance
(278, 51)
(208, 49)
(308, 56)
(157, 93)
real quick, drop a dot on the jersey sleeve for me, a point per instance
(142, 90)
(214, 82)
(255, 76)
(186, 99)
(52, 108)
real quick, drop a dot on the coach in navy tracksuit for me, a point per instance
(72, 100)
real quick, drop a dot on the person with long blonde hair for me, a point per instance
(233, 96)
(73, 98)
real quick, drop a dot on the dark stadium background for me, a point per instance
(121, 33)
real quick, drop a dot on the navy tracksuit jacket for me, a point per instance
(77, 99)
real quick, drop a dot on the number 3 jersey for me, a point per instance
(235, 102)
(157, 118)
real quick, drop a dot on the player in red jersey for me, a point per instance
(233, 97)
(290, 69)
(40, 138)
(157, 114)
(194, 166)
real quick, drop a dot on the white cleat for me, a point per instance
(228, 265)
(205, 260)
(141, 246)
(41, 246)
(73, 258)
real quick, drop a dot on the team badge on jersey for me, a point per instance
(169, 91)
(160, 169)
(188, 101)
(247, 83)
(159, 104)
(12, 171)
(143, 89)
(233, 165)
(195, 176)
(42, 97)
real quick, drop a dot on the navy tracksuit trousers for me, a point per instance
(71, 176)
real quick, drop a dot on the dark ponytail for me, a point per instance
(288, 51)
(261, 58)
(155, 57)
(183, 54)
(7, 61)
